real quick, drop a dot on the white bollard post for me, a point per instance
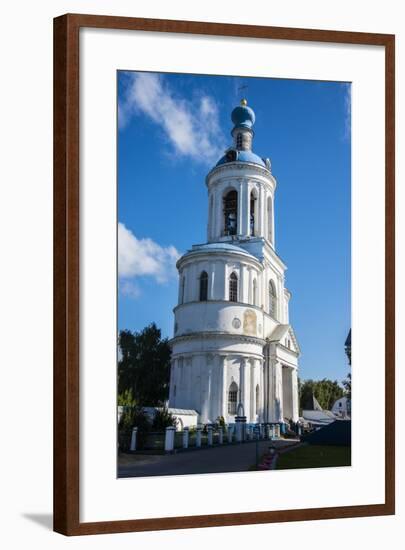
(209, 438)
(133, 439)
(278, 431)
(185, 438)
(169, 439)
(220, 436)
(230, 433)
(268, 432)
(239, 432)
(198, 437)
(272, 431)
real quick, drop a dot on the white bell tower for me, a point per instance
(233, 347)
(241, 205)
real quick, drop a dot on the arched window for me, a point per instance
(254, 292)
(257, 399)
(252, 224)
(230, 212)
(204, 286)
(239, 141)
(232, 398)
(182, 287)
(272, 300)
(233, 288)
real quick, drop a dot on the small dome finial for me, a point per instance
(243, 116)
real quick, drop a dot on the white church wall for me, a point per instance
(223, 316)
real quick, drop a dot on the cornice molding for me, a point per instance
(242, 338)
(251, 170)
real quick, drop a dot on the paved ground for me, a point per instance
(226, 458)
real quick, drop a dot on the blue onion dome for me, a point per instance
(243, 116)
(241, 156)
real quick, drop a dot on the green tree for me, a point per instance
(325, 391)
(144, 366)
(347, 384)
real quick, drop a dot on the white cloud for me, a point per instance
(143, 257)
(192, 127)
(129, 288)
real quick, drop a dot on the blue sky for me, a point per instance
(172, 129)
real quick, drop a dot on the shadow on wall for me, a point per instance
(44, 520)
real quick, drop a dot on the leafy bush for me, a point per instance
(132, 416)
(221, 422)
(163, 419)
(126, 399)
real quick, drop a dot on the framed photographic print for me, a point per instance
(197, 382)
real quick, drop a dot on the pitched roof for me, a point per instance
(280, 331)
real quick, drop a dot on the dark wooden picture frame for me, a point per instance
(66, 273)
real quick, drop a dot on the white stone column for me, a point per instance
(211, 281)
(224, 286)
(250, 289)
(224, 387)
(263, 399)
(219, 213)
(205, 370)
(242, 286)
(246, 385)
(246, 209)
(210, 216)
(265, 216)
(295, 397)
(191, 283)
(240, 208)
(279, 392)
(261, 211)
(252, 392)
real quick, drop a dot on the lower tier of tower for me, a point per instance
(220, 379)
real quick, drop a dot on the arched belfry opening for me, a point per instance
(253, 214)
(230, 212)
